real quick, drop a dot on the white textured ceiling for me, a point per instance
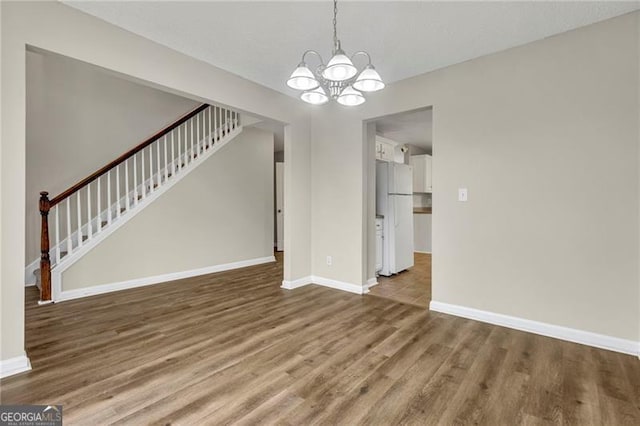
(262, 41)
(413, 128)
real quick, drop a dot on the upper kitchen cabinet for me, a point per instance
(385, 149)
(422, 166)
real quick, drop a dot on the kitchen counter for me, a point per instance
(422, 210)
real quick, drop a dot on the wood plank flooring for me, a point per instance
(412, 286)
(234, 348)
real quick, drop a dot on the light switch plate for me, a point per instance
(462, 194)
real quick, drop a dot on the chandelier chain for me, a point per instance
(335, 22)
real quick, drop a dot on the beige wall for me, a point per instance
(220, 213)
(545, 137)
(57, 28)
(78, 119)
(337, 194)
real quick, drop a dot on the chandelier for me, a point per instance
(338, 79)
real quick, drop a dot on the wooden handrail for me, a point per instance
(57, 199)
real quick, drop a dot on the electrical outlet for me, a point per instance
(329, 260)
(462, 194)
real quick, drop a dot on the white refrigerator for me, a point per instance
(394, 201)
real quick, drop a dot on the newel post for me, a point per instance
(45, 262)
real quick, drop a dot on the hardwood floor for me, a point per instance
(412, 286)
(235, 348)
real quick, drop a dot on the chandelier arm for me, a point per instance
(315, 53)
(362, 52)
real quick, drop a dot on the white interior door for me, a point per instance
(280, 206)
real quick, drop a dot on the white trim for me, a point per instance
(371, 282)
(325, 282)
(423, 252)
(339, 285)
(140, 282)
(563, 333)
(29, 273)
(290, 285)
(11, 366)
(88, 245)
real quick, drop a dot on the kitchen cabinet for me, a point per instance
(422, 173)
(385, 149)
(379, 243)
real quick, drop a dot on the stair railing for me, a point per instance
(128, 179)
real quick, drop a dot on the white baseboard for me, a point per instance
(423, 252)
(290, 285)
(11, 366)
(141, 282)
(563, 333)
(325, 282)
(371, 282)
(29, 277)
(339, 285)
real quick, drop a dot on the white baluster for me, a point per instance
(158, 169)
(126, 184)
(227, 120)
(209, 140)
(215, 124)
(109, 197)
(179, 149)
(89, 227)
(198, 133)
(99, 195)
(135, 180)
(144, 185)
(166, 163)
(173, 158)
(57, 207)
(220, 125)
(193, 153)
(119, 206)
(150, 171)
(78, 204)
(69, 242)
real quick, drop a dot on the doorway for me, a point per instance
(403, 147)
(277, 129)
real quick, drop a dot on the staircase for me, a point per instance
(95, 207)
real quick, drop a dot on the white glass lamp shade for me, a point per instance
(339, 68)
(316, 96)
(350, 97)
(369, 80)
(302, 78)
